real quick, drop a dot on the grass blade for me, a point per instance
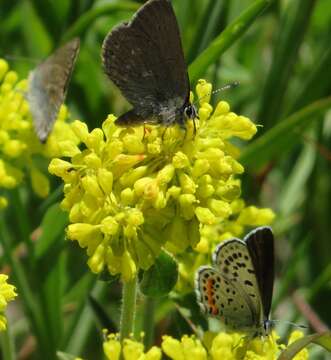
(323, 340)
(86, 19)
(283, 136)
(227, 38)
(292, 31)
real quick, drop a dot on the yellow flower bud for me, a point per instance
(135, 217)
(95, 140)
(109, 226)
(132, 175)
(113, 149)
(40, 183)
(91, 186)
(187, 184)
(222, 108)
(14, 148)
(92, 160)
(105, 180)
(187, 205)
(132, 144)
(112, 349)
(3, 68)
(254, 217)
(165, 175)
(108, 126)
(96, 262)
(141, 185)
(10, 78)
(80, 129)
(229, 190)
(211, 154)
(59, 168)
(128, 267)
(172, 348)
(81, 232)
(205, 111)
(204, 91)
(154, 148)
(220, 208)
(68, 148)
(174, 192)
(200, 167)
(124, 162)
(205, 216)
(180, 160)
(128, 197)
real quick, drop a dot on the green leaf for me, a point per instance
(283, 136)
(52, 226)
(227, 38)
(292, 30)
(160, 278)
(86, 19)
(51, 271)
(65, 356)
(323, 339)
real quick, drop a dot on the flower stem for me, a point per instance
(7, 346)
(128, 308)
(148, 321)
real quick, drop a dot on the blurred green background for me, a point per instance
(282, 59)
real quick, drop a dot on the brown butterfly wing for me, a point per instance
(144, 58)
(48, 85)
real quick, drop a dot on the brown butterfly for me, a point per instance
(48, 84)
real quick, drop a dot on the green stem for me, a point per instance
(7, 346)
(148, 321)
(22, 222)
(128, 308)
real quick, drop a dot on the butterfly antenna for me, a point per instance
(300, 326)
(225, 87)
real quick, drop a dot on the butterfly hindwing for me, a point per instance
(222, 298)
(48, 85)
(144, 58)
(260, 244)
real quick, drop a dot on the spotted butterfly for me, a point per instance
(238, 287)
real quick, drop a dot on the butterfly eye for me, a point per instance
(190, 112)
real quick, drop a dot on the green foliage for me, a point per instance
(160, 278)
(280, 52)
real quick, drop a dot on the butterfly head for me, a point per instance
(190, 112)
(266, 327)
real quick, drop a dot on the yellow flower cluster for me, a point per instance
(130, 191)
(19, 146)
(7, 293)
(222, 346)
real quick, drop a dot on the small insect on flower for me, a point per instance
(48, 85)
(238, 287)
(145, 59)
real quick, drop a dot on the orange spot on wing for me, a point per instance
(210, 296)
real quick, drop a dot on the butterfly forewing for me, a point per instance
(222, 298)
(48, 85)
(144, 58)
(260, 244)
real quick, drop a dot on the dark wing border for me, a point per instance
(260, 243)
